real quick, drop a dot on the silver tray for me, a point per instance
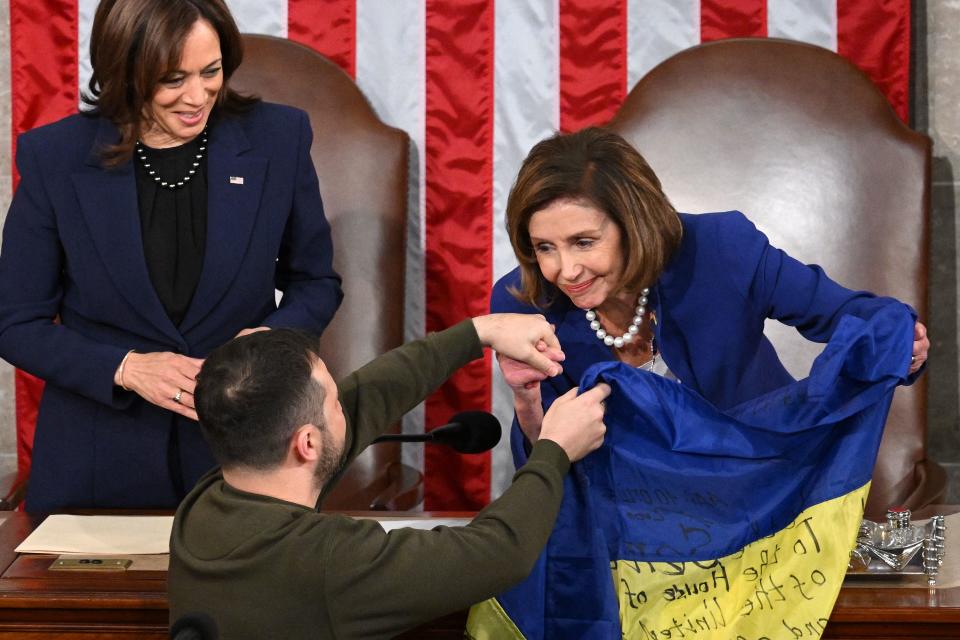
(881, 571)
(898, 548)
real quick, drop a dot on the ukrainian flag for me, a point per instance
(692, 523)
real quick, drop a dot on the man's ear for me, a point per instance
(306, 443)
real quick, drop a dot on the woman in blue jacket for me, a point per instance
(144, 233)
(623, 276)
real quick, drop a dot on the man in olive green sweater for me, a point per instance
(250, 550)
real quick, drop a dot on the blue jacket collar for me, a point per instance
(108, 200)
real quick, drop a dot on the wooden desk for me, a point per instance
(880, 613)
(36, 604)
(39, 604)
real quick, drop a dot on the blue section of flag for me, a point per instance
(678, 480)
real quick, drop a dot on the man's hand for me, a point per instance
(527, 339)
(576, 422)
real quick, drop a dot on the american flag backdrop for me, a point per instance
(475, 83)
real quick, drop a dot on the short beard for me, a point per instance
(330, 462)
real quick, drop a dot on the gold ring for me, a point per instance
(179, 395)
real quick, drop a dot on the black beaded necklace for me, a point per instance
(173, 184)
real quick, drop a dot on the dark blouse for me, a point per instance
(173, 224)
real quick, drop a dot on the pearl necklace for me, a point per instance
(173, 184)
(632, 330)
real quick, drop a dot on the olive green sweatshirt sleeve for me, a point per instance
(378, 583)
(382, 391)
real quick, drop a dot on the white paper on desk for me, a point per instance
(389, 524)
(100, 535)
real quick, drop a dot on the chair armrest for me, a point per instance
(13, 489)
(404, 490)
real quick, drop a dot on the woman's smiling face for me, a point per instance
(579, 250)
(181, 105)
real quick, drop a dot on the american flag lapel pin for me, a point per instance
(236, 179)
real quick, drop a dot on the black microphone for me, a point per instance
(467, 432)
(194, 626)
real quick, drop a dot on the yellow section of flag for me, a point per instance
(782, 586)
(488, 621)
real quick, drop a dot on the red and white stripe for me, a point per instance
(475, 83)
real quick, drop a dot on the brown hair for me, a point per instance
(135, 43)
(597, 166)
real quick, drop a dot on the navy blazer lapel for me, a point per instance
(669, 303)
(234, 186)
(108, 202)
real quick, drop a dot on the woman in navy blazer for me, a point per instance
(605, 257)
(144, 234)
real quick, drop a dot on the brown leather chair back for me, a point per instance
(803, 143)
(362, 167)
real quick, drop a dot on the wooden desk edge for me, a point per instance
(858, 610)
